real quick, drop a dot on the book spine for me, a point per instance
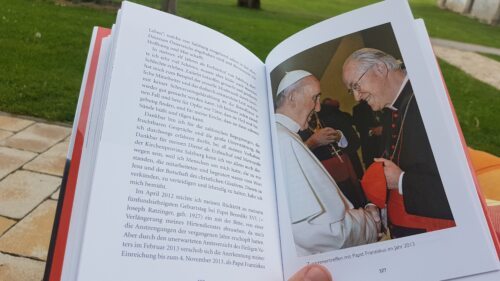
(57, 248)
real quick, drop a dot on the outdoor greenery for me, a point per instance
(476, 105)
(261, 30)
(44, 43)
(494, 57)
(42, 54)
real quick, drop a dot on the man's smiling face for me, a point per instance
(366, 84)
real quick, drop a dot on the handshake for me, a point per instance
(316, 272)
(374, 212)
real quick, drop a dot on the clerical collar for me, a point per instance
(405, 80)
(287, 122)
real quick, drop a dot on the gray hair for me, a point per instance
(283, 95)
(367, 57)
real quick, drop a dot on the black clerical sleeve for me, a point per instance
(423, 193)
(423, 190)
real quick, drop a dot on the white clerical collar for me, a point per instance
(399, 93)
(287, 122)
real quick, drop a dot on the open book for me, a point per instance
(181, 168)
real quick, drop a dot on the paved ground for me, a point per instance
(32, 157)
(467, 57)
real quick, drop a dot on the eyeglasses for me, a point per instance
(355, 86)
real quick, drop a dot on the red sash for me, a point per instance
(398, 216)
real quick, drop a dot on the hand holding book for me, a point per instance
(312, 272)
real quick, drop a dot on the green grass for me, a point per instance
(449, 25)
(491, 56)
(261, 30)
(476, 105)
(40, 75)
(42, 55)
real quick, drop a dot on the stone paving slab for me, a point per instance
(31, 236)
(20, 269)
(50, 162)
(480, 67)
(55, 195)
(5, 223)
(37, 138)
(13, 124)
(465, 46)
(22, 191)
(12, 159)
(5, 134)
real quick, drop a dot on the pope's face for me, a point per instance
(368, 85)
(308, 100)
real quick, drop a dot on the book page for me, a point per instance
(183, 177)
(434, 253)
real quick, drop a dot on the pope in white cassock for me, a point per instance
(322, 218)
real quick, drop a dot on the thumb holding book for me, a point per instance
(313, 272)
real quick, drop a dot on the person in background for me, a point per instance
(369, 126)
(331, 115)
(337, 156)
